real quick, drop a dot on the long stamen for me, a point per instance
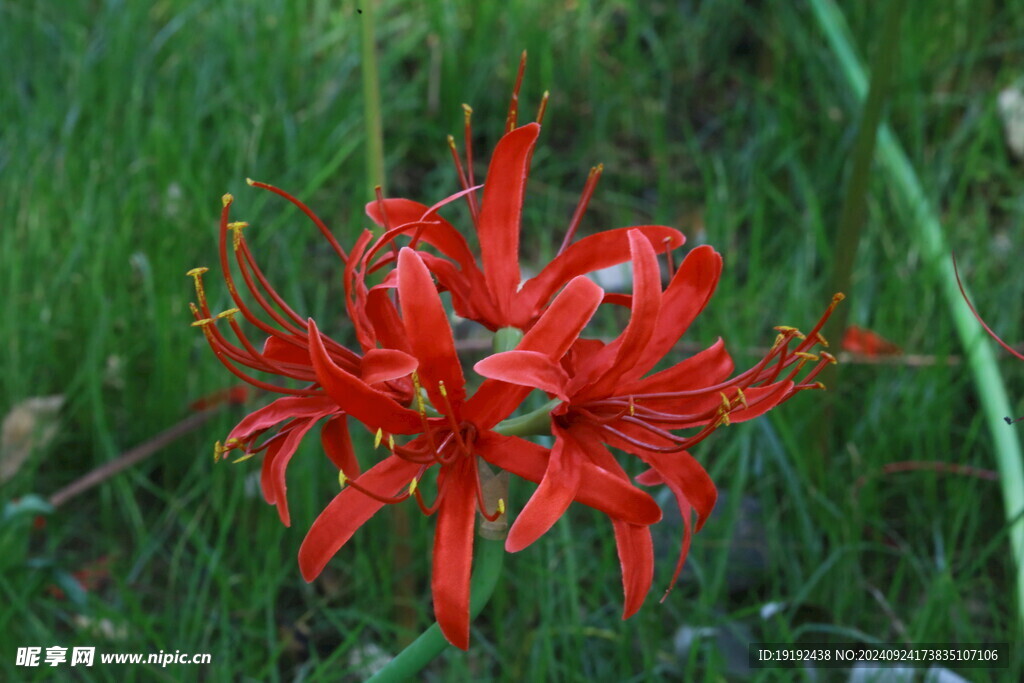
(306, 210)
(470, 177)
(543, 107)
(581, 206)
(513, 107)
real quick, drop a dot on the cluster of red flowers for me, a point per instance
(406, 385)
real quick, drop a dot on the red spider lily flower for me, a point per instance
(450, 442)
(495, 295)
(607, 400)
(285, 353)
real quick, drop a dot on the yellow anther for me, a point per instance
(837, 297)
(820, 338)
(441, 388)
(232, 442)
(342, 479)
(726, 403)
(242, 458)
(786, 329)
(192, 307)
(196, 272)
(806, 356)
(829, 357)
(228, 313)
(632, 407)
(741, 397)
(501, 506)
(391, 442)
(250, 182)
(451, 142)
(202, 323)
(377, 437)
(226, 200)
(468, 111)
(218, 450)
(420, 405)
(599, 168)
(724, 420)
(236, 232)
(819, 385)
(412, 486)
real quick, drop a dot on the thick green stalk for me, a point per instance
(371, 102)
(487, 561)
(980, 358)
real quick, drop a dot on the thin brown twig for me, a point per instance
(131, 457)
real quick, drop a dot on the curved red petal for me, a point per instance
(602, 250)
(453, 554)
(526, 368)
(275, 462)
(551, 499)
(500, 213)
(636, 557)
(348, 511)
(337, 444)
(706, 368)
(430, 335)
(280, 410)
(381, 365)
(685, 297)
(557, 329)
(598, 489)
(618, 358)
(373, 408)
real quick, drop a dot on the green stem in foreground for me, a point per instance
(487, 561)
(936, 252)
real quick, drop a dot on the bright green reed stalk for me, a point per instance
(371, 102)
(936, 253)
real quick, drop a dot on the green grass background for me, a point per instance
(122, 123)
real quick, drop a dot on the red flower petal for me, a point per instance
(599, 488)
(636, 557)
(685, 297)
(381, 365)
(551, 499)
(373, 408)
(337, 444)
(619, 357)
(598, 251)
(439, 232)
(555, 331)
(526, 368)
(453, 554)
(430, 335)
(280, 410)
(500, 213)
(348, 511)
(707, 368)
(275, 462)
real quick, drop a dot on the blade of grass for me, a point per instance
(936, 253)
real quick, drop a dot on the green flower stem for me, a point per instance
(371, 102)
(977, 348)
(531, 424)
(487, 560)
